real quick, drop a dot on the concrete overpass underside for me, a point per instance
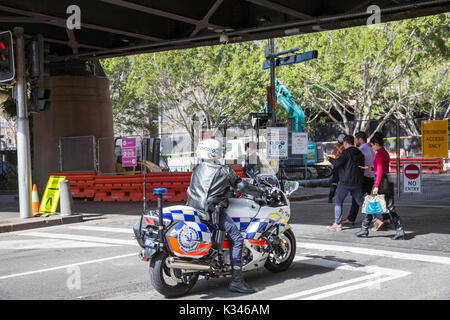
(119, 27)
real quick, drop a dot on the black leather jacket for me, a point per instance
(211, 185)
(348, 165)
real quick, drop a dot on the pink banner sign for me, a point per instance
(129, 158)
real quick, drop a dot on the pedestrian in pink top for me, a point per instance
(380, 167)
(382, 186)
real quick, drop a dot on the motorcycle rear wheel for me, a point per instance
(282, 257)
(162, 279)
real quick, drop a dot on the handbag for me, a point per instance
(374, 204)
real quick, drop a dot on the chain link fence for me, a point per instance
(77, 154)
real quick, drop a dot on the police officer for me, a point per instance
(209, 190)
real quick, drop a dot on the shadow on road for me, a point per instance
(262, 279)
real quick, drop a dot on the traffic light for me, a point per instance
(6, 57)
(41, 99)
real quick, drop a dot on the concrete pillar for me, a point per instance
(80, 106)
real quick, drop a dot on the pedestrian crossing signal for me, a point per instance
(7, 71)
(41, 99)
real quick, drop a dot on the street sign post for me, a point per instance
(412, 178)
(272, 62)
(296, 58)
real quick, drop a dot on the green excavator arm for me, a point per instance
(294, 111)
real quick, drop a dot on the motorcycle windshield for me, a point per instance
(268, 166)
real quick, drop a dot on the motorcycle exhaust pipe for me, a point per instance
(189, 266)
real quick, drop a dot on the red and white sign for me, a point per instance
(412, 177)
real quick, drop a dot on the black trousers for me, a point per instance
(366, 189)
(334, 182)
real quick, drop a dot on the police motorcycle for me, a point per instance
(181, 246)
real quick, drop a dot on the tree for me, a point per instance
(372, 73)
(390, 70)
(131, 114)
(219, 84)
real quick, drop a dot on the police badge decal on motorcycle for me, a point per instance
(188, 239)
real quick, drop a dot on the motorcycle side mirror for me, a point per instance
(290, 187)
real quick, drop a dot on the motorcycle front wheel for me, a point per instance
(283, 254)
(169, 283)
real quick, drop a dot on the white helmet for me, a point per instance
(208, 149)
(341, 138)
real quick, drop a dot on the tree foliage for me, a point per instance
(390, 70)
(218, 84)
(397, 69)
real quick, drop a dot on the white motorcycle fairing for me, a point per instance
(253, 220)
(190, 238)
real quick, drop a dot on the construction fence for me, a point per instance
(169, 158)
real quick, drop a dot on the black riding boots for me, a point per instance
(399, 233)
(364, 232)
(237, 283)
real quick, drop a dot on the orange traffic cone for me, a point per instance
(35, 200)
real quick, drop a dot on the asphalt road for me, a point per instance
(98, 259)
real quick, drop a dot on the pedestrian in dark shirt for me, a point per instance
(368, 180)
(350, 179)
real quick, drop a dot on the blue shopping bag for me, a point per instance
(374, 204)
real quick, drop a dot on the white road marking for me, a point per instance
(332, 264)
(354, 287)
(376, 275)
(66, 266)
(327, 287)
(375, 252)
(105, 229)
(49, 244)
(81, 238)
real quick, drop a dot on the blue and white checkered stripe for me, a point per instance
(180, 215)
(242, 223)
(257, 227)
(253, 227)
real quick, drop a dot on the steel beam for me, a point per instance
(199, 24)
(204, 23)
(262, 29)
(61, 22)
(282, 9)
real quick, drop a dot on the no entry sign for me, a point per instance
(412, 177)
